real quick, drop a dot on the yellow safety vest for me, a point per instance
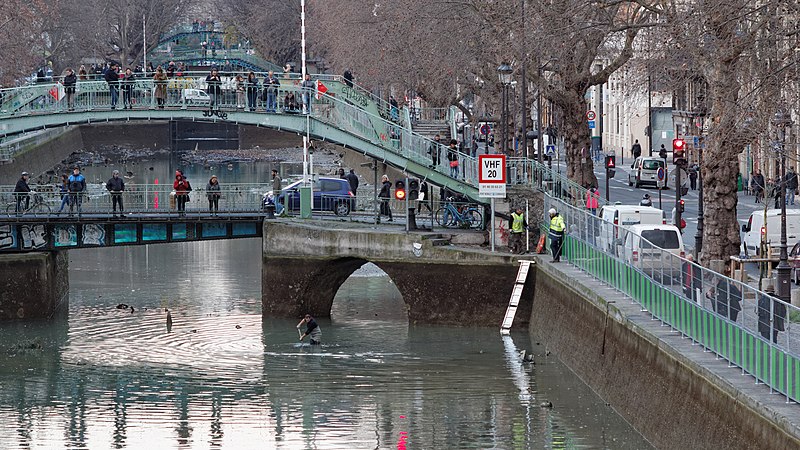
(557, 226)
(517, 224)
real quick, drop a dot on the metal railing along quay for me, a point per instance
(733, 320)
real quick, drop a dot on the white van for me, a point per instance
(624, 216)
(644, 170)
(644, 246)
(191, 96)
(755, 228)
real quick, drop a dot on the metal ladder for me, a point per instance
(516, 294)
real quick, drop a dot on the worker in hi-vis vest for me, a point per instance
(556, 234)
(517, 225)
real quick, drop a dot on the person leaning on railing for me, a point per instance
(160, 81)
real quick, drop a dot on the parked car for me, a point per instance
(644, 170)
(330, 194)
(617, 217)
(771, 230)
(198, 96)
(644, 247)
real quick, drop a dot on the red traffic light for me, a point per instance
(400, 194)
(611, 161)
(678, 144)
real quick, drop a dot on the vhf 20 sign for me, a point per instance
(492, 176)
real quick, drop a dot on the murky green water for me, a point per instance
(103, 377)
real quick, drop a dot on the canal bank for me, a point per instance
(674, 393)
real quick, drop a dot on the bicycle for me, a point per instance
(467, 216)
(37, 206)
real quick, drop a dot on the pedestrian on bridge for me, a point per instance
(116, 186)
(384, 196)
(213, 192)
(160, 81)
(556, 234)
(70, 80)
(271, 86)
(214, 87)
(308, 86)
(63, 189)
(252, 91)
(77, 184)
(435, 150)
(112, 78)
(452, 156)
(182, 188)
(22, 192)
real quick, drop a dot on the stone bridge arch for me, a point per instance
(304, 266)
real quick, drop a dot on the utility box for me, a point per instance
(305, 202)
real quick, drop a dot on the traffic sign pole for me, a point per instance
(491, 219)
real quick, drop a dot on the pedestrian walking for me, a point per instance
(646, 200)
(435, 150)
(423, 199)
(693, 177)
(271, 85)
(771, 315)
(692, 279)
(727, 296)
(160, 81)
(758, 185)
(662, 153)
(517, 225)
(592, 200)
(384, 196)
(70, 80)
(452, 156)
(636, 149)
(791, 186)
(116, 186)
(213, 192)
(276, 182)
(112, 78)
(77, 184)
(214, 87)
(63, 189)
(556, 234)
(312, 329)
(182, 187)
(352, 178)
(22, 193)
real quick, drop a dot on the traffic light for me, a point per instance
(611, 165)
(413, 189)
(678, 152)
(681, 205)
(400, 190)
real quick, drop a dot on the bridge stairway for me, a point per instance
(516, 294)
(431, 128)
(437, 240)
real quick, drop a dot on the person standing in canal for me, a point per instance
(312, 329)
(213, 192)
(116, 186)
(182, 188)
(77, 184)
(384, 196)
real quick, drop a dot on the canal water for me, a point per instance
(103, 377)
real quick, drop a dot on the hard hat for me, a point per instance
(552, 211)
(25, 174)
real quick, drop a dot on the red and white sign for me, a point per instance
(492, 176)
(590, 115)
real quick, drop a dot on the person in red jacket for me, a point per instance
(182, 189)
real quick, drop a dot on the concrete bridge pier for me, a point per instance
(304, 266)
(33, 285)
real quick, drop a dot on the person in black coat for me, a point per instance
(112, 78)
(385, 195)
(352, 178)
(22, 192)
(214, 88)
(727, 297)
(70, 80)
(776, 311)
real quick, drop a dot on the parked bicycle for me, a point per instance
(463, 216)
(36, 206)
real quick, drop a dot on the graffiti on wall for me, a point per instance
(65, 236)
(33, 236)
(8, 238)
(94, 234)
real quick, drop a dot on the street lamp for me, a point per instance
(539, 139)
(699, 112)
(504, 75)
(782, 120)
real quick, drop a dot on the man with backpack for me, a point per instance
(76, 185)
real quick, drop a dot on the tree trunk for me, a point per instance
(719, 169)
(578, 142)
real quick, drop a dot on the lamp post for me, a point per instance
(504, 75)
(782, 120)
(699, 113)
(539, 140)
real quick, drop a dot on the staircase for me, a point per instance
(431, 128)
(516, 294)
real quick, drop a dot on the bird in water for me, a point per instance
(169, 321)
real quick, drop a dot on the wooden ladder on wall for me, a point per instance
(516, 294)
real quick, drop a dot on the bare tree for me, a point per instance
(271, 26)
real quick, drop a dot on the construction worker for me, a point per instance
(517, 225)
(556, 234)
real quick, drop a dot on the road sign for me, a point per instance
(696, 141)
(661, 177)
(492, 176)
(550, 150)
(485, 129)
(590, 115)
(591, 125)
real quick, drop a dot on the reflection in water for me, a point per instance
(226, 378)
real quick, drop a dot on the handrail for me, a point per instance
(728, 317)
